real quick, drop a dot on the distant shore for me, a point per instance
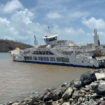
(7, 45)
(88, 90)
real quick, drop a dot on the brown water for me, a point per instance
(18, 79)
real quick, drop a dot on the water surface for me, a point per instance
(18, 79)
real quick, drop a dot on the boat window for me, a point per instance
(35, 58)
(52, 59)
(40, 58)
(61, 59)
(43, 58)
(27, 58)
(43, 53)
(65, 59)
(46, 59)
(52, 39)
(67, 53)
(25, 52)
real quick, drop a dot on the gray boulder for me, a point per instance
(75, 94)
(91, 102)
(66, 103)
(10, 103)
(54, 94)
(101, 87)
(67, 94)
(55, 103)
(77, 84)
(28, 100)
(15, 103)
(100, 76)
(87, 78)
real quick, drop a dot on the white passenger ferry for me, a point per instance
(63, 52)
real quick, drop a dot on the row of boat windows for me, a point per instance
(51, 39)
(43, 53)
(58, 59)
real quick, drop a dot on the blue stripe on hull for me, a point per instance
(62, 64)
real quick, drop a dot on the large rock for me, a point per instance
(66, 103)
(54, 94)
(87, 78)
(28, 100)
(94, 85)
(75, 94)
(47, 96)
(77, 84)
(55, 103)
(10, 103)
(48, 102)
(91, 102)
(57, 93)
(100, 76)
(67, 94)
(15, 103)
(35, 101)
(101, 87)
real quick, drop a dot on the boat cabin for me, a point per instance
(51, 40)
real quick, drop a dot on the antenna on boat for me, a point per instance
(48, 30)
(35, 40)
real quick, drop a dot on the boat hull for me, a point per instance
(53, 63)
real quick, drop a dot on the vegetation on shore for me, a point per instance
(7, 45)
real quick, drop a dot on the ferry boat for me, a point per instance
(63, 52)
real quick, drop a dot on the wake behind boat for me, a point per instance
(63, 52)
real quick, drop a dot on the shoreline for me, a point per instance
(89, 89)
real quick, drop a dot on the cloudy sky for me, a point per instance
(71, 19)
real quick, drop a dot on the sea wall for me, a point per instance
(88, 90)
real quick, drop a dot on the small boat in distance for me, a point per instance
(63, 52)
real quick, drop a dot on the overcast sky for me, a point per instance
(71, 19)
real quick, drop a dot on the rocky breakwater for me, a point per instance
(88, 90)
